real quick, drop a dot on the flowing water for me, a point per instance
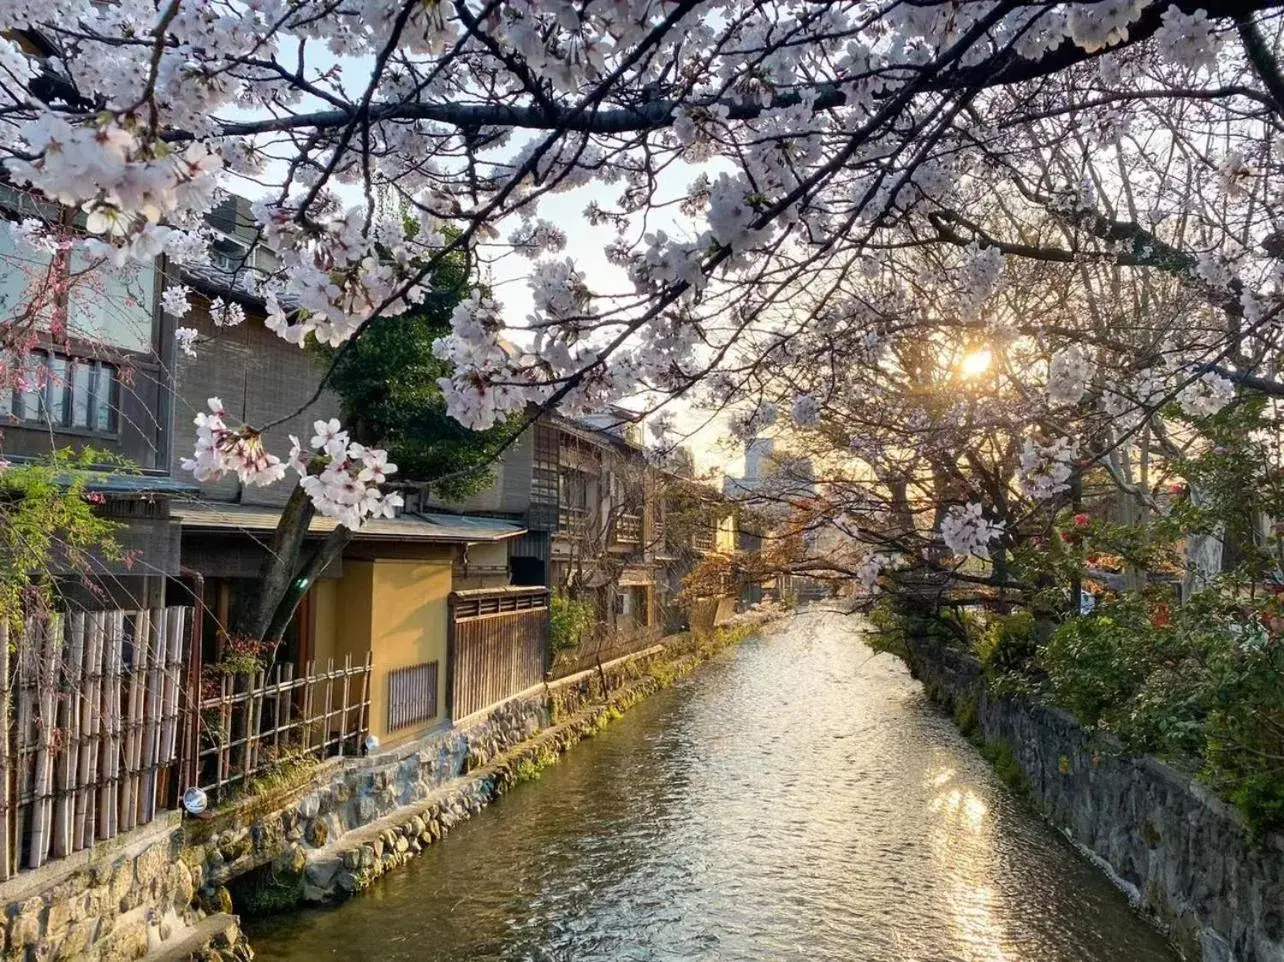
(797, 799)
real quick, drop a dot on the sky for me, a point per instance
(586, 246)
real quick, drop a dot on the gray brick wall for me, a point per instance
(260, 378)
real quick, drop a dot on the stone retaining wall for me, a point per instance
(156, 891)
(1182, 854)
(343, 829)
(118, 900)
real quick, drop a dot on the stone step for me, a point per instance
(215, 937)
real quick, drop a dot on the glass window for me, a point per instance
(31, 387)
(105, 305)
(111, 306)
(106, 392)
(81, 385)
(60, 392)
(56, 390)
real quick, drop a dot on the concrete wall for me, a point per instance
(1182, 854)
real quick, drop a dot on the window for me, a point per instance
(104, 305)
(58, 391)
(573, 487)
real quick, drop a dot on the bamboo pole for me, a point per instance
(47, 684)
(177, 618)
(6, 780)
(129, 784)
(27, 659)
(343, 715)
(89, 755)
(329, 700)
(222, 765)
(154, 659)
(308, 678)
(70, 713)
(276, 716)
(289, 702)
(363, 721)
(111, 745)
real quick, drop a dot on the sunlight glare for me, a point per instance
(976, 362)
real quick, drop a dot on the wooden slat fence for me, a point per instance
(250, 723)
(498, 646)
(412, 695)
(93, 706)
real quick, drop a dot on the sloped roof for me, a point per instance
(111, 482)
(213, 516)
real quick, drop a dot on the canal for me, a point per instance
(797, 799)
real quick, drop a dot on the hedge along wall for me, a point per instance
(1183, 855)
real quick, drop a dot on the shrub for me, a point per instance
(1006, 643)
(1199, 684)
(569, 621)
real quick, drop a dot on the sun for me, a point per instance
(976, 362)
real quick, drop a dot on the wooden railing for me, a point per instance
(498, 646)
(253, 722)
(572, 522)
(704, 539)
(628, 529)
(93, 707)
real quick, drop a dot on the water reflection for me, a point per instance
(795, 801)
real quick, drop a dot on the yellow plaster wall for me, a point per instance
(408, 627)
(397, 611)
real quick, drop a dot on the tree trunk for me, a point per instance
(298, 586)
(278, 568)
(1203, 551)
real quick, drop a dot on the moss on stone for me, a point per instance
(965, 714)
(1009, 770)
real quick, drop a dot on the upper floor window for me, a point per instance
(87, 298)
(64, 393)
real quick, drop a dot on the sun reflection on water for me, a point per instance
(963, 843)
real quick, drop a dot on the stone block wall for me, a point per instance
(115, 902)
(1183, 855)
(285, 834)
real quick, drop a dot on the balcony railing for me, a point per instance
(628, 529)
(572, 522)
(704, 539)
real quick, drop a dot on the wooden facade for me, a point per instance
(498, 646)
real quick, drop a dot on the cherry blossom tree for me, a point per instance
(789, 179)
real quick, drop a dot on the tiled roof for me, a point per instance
(110, 482)
(206, 515)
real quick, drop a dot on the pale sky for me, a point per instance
(585, 246)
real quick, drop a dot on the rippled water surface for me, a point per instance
(796, 799)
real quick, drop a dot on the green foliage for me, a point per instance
(569, 621)
(1006, 643)
(50, 529)
(387, 381)
(1006, 766)
(965, 714)
(1199, 685)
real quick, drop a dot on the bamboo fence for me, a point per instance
(251, 723)
(93, 704)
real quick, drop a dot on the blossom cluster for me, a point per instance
(342, 478)
(1046, 468)
(1069, 374)
(347, 488)
(1206, 395)
(966, 531)
(221, 450)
